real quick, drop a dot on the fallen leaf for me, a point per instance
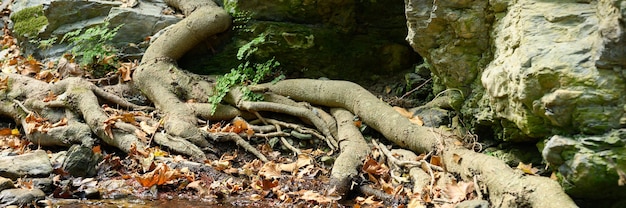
(403, 112)
(266, 184)
(270, 170)
(310, 195)
(4, 82)
(303, 160)
(51, 96)
(458, 192)
(456, 158)
(369, 202)
(159, 176)
(372, 167)
(96, 149)
(5, 132)
(527, 168)
(416, 120)
(150, 129)
(200, 188)
(435, 160)
(255, 197)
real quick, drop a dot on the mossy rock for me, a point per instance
(29, 21)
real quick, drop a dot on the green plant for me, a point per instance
(29, 21)
(45, 44)
(92, 45)
(244, 75)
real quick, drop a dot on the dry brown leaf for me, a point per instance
(371, 166)
(266, 184)
(255, 197)
(51, 96)
(369, 202)
(435, 160)
(456, 158)
(458, 192)
(96, 149)
(150, 129)
(5, 132)
(4, 82)
(66, 67)
(416, 203)
(303, 160)
(403, 112)
(270, 170)
(159, 176)
(416, 120)
(125, 70)
(200, 187)
(45, 75)
(527, 168)
(310, 195)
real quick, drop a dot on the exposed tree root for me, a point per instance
(507, 187)
(69, 112)
(353, 148)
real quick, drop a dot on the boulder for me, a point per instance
(533, 70)
(30, 164)
(20, 197)
(6, 183)
(45, 19)
(590, 166)
(81, 161)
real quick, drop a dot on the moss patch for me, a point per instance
(29, 21)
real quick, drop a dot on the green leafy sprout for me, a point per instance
(92, 45)
(245, 74)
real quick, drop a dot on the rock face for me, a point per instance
(348, 39)
(452, 35)
(536, 69)
(552, 73)
(44, 19)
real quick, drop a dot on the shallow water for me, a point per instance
(141, 203)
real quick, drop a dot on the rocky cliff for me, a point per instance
(535, 69)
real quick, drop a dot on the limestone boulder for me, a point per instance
(552, 72)
(534, 68)
(546, 71)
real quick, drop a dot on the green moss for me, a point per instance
(29, 21)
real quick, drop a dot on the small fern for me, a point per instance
(245, 74)
(92, 45)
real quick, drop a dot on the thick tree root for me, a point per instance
(167, 86)
(353, 148)
(507, 188)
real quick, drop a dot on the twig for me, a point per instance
(223, 136)
(116, 99)
(416, 88)
(479, 192)
(22, 106)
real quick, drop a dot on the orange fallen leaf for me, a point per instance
(435, 160)
(5, 131)
(159, 176)
(96, 149)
